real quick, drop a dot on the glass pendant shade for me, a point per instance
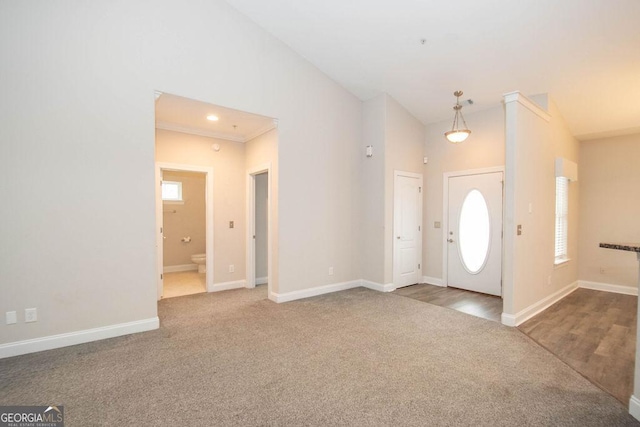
(457, 135)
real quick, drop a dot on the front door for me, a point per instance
(474, 235)
(407, 233)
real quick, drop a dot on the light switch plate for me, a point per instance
(12, 317)
(30, 315)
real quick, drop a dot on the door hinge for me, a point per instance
(160, 230)
(419, 189)
(418, 228)
(418, 266)
(161, 276)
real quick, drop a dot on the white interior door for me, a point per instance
(474, 234)
(407, 233)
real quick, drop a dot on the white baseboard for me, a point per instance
(312, 292)
(261, 280)
(608, 287)
(634, 407)
(526, 314)
(178, 268)
(80, 337)
(389, 287)
(225, 286)
(433, 281)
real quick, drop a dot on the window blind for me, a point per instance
(562, 211)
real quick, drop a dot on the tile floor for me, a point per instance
(184, 283)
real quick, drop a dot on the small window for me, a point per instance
(171, 191)
(562, 213)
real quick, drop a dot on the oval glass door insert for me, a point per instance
(474, 232)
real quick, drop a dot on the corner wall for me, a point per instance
(609, 210)
(534, 138)
(397, 140)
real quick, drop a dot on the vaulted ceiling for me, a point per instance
(584, 53)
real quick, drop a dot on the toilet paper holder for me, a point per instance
(186, 239)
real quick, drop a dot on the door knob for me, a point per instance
(450, 240)
(398, 237)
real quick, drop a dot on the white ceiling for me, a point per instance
(187, 115)
(584, 53)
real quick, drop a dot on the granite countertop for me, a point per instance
(631, 247)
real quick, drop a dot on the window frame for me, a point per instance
(178, 199)
(561, 231)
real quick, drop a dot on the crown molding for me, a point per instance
(527, 103)
(200, 132)
(261, 131)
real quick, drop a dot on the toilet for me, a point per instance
(201, 260)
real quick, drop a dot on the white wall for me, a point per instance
(532, 144)
(228, 193)
(484, 148)
(77, 109)
(609, 209)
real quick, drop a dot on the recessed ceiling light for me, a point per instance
(212, 118)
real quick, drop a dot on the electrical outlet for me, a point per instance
(30, 315)
(12, 318)
(601, 270)
(437, 224)
(231, 224)
(232, 268)
(330, 271)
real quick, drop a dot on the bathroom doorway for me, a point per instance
(184, 209)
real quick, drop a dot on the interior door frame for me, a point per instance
(396, 175)
(208, 194)
(250, 270)
(445, 213)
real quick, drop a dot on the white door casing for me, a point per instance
(250, 268)
(407, 229)
(474, 232)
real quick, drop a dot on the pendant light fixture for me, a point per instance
(457, 135)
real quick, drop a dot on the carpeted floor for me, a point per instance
(356, 357)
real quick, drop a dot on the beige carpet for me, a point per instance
(356, 357)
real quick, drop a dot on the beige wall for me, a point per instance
(484, 148)
(532, 145)
(609, 209)
(185, 219)
(262, 152)
(228, 193)
(397, 140)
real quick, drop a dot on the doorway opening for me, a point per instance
(184, 212)
(259, 256)
(201, 138)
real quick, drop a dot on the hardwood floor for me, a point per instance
(593, 332)
(479, 305)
